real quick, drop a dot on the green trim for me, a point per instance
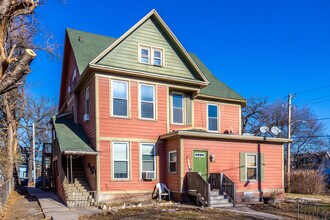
(242, 174)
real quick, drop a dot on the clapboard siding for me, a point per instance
(135, 182)
(173, 179)
(88, 126)
(125, 55)
(227, 160)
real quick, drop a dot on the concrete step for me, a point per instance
(224, 205)
(219, 202)
(214, 192)
(218, 197)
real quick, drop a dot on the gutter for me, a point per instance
(65, 152)
(224, 136)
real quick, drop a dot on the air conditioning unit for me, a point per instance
(69, 89)
(148, 175)
(86, 117)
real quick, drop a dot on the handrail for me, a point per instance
(196, 182)
(229, 188)
(224, 184)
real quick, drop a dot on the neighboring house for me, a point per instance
(140, 109)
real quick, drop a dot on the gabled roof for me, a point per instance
(153, 14)
(86, 46)
(91, 45)
(71, 137)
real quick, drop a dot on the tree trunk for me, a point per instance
(10, 140)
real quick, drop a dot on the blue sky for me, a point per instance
(258, 48)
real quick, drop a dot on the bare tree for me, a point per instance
(39, 112)
(305, 128)
(16, 34)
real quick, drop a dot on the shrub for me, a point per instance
(307, 182)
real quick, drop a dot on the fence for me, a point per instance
(310, 210)
(5, 191)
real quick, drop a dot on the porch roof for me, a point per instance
(205, 134)
(71, 137)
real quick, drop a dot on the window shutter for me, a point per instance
(262, 167)
(188, 110)
(242, 174)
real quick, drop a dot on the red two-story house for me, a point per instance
(139, 110)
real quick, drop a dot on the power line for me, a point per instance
(309, 100)
(312, 90)
(314, 102)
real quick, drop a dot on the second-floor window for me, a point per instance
(147, 101)
(177, 108)
(119, 90)
(87, 109)
(212, 117)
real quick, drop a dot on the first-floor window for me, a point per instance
(148, 160)
(172, 160)
(120, 160)
(251, 167)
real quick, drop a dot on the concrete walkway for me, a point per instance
(53, 208)
(247, 211)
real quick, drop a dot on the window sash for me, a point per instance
(145, 56)
(119, 99)
(179, 109)
(250, 167)
(172, 163)
(158, 58)
(212, 118)
(145, 102)
(117, 161)
(148, 159)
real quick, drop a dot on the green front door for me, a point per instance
(200, 163)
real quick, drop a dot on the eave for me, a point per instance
(182, 133)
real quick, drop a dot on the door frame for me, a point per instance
(207, 160)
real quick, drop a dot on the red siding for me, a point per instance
(227, 160)
(88, 126)
(135, 183)
(133, 127)
(172, 179)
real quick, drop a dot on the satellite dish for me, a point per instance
(264, 129)
(275, 130)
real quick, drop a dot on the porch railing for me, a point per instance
(196, 183)
(224, 184)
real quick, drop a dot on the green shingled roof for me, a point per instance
(87, 46)
(71, 137)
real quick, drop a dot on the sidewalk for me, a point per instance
(53, 208)
(247, 211)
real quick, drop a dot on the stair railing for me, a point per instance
(196, 182)
(224, 184)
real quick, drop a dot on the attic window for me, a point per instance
(151, 55)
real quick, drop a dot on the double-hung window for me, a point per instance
(151, 55)
(212, 117)
(87, 101)
(251, 166)
(177, 108)
(147, 101)
(172, 161)
(148, 161)
(119, 98)
(120, 160)
(145, 55)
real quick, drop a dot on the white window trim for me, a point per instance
(246, 167)
(141, 160)
(207, 117)
(127, 99)
(153, 102)
(183, 109)
(128, 160)
(87, 98)
(169, 160)
(151, 57)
